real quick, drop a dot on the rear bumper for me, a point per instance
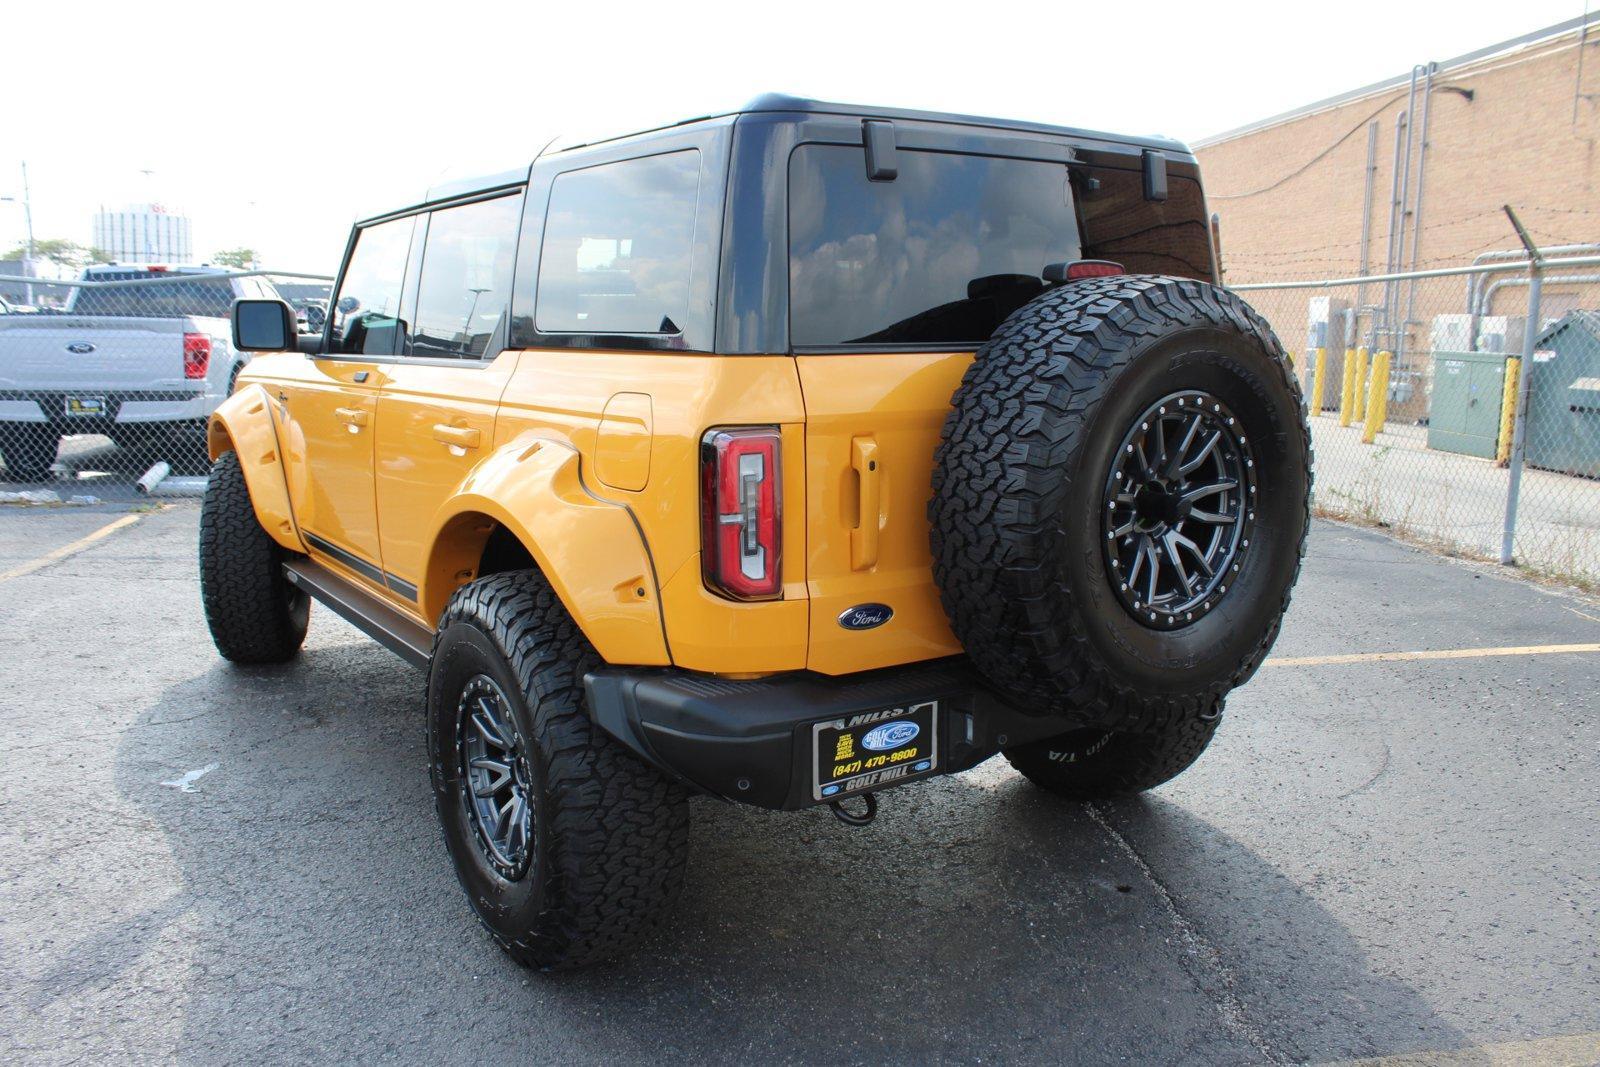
(122, 407)
(751, 741)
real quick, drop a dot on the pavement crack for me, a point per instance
(1218, 983)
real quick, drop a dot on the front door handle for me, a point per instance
(355, 418)
(457, 436)
(869, 475)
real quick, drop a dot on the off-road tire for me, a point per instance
(610, 834)
(1018, 485)
(28, 451)
(255, 615)
(1099, 764)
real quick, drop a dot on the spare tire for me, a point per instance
(1121, 495)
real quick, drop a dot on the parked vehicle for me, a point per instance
(141, 354)
(783, 456)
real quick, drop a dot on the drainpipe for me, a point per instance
(1416, 214)
(1391, 257)
(1366, 214)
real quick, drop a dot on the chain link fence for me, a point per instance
(106, 382)
(1459, 407)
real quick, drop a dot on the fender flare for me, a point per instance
(245, 423)
(590, 549)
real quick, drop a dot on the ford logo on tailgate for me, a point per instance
(891, 735)
(80, 348)
(865, 616)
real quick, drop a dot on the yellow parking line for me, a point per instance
(68, 550)
(1575, 1050)
(1445, 653)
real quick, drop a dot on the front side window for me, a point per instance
(366, 313)
(618, 246)
(940, 255)
(464, 289)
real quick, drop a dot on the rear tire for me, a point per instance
(255, 614)
(28, 451)
(1099, 764)
(570, 849)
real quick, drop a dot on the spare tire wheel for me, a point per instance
(1120, 503)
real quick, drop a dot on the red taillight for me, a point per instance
(741, 507)
(196, 355)
(1092, 268)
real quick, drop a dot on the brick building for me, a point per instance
(1514, 123)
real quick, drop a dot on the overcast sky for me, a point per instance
(275, 125)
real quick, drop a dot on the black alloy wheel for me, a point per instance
(1178, 508)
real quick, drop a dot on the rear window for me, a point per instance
(202, 297)
(938, 256)
(1168, 236)
(618, 247)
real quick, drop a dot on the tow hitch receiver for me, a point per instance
(852, 818)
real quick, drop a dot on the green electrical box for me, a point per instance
(1464, 413)
(1564, 397)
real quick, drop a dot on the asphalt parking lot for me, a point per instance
(1381, 856)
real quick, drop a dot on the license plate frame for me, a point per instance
(90, 406)
(880, 750)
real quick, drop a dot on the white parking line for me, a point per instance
(68, 550)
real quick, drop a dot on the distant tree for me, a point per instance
(99, 255)
(58, 250)
(238, 258)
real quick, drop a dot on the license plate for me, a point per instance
(85, 405)
(874, 748)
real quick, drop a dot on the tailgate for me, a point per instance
(873, 418)
(88, 354)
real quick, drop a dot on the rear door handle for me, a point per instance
(869, 475)
(457, 436)
(355, 418)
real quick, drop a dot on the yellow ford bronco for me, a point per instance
(781, 456)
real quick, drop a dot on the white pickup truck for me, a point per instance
(142, 354)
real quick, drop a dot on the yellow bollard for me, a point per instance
(1347, 395)
(1361, 383)
(1318, 377)
(1508, 410)
(1378, 402)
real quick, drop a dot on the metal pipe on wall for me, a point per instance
(1395, 217)
(1416, 212)
(1366, 215)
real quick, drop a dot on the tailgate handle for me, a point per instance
(457, 436)
(352, 417)
(869, 476)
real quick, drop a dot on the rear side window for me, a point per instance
(1168, 236)
(366, 318)
(940, 255)
(203, 298)
(465, 285)
(618, 247)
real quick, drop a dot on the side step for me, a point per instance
(363, 610)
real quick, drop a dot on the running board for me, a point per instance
(368, 613)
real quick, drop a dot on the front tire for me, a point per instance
(28, 451)
(255, 614)
(570, 849)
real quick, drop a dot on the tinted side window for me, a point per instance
(940, 255)
(465, 286)
(618, 243)
(367, 310)
(1169, 236)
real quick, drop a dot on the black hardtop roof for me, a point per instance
(769, 103)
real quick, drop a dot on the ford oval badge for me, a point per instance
(895, 734)
(80, 348)
(865, 616)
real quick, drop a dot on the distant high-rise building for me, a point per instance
(144, 233)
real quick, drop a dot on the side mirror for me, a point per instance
(264, 326)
